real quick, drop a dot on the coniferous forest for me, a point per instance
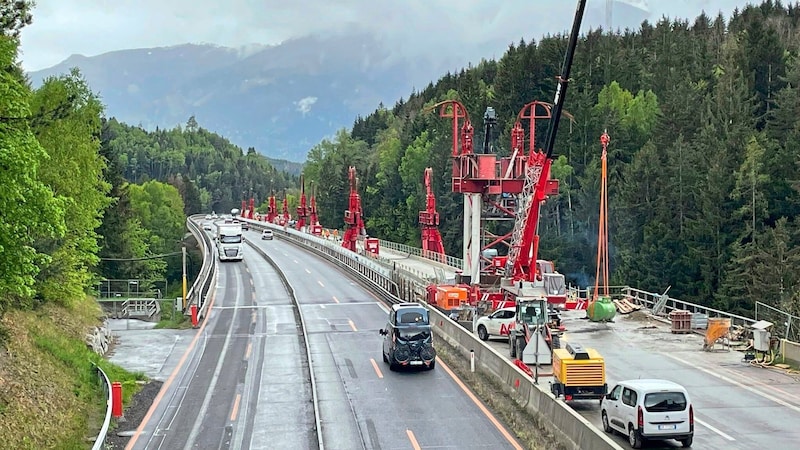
(703, 178)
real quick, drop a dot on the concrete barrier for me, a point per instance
(570, 428)
(791, 352)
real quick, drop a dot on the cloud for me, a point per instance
(304, 104)
(450, 32)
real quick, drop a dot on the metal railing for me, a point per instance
(449, 261)
(100, 441)
(649, 299)
(783, 323)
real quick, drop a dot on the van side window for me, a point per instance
(614, 395)
(629, 397)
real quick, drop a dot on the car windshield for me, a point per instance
(664, 401)
(415, 317)
(231, 239)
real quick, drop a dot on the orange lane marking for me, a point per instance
(249, 348)
(413, 440)
(171, 378)
(352, 325)
(335, 299)
(480, 405)
(377, 369)
(236, 407)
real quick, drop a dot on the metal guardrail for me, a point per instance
(197, 294)
(100, 441)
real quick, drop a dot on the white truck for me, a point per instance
(230, 242)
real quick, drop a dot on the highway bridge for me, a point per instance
(288, 357)
(288, 346)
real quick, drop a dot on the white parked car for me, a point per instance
(266, 235)
(207, 226)
(496, 324)
(649, 410)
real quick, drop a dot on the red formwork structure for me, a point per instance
(283, 220)
(432, 246)
(302, 208)
(353, 220)
(315, 227)
(272, 209)
(251, 211)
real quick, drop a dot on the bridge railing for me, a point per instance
(199, 291)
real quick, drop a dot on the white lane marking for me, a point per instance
(296, 262)
(322, 306)
(320, 282)
(308, 271)
(715, 430)
(734, 382)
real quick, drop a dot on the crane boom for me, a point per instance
(525, 238)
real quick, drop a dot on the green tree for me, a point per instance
(28, 207)
(66, 121)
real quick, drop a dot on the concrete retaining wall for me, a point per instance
(791, 352)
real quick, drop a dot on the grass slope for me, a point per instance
(50, 395)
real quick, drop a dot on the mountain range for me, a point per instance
(282, 99)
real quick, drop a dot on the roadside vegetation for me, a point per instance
(83, 199)
(50, 395)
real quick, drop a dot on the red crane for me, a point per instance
(272, 209)
(429, 221)
(522, 267)
(353, 222)
(252, 210)
(243, 211)
(302, 209)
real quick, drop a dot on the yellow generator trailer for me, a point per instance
(579, 373)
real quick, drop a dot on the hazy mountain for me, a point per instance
(280, 99)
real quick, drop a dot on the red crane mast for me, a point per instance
(316, 228)
(353, 221)
(429, 221)
(302, 209)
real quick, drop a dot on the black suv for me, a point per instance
(408, 339)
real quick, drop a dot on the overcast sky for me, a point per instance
(465, 29)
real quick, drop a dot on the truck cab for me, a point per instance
(230, 242)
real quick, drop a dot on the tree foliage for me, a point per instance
(703, 160)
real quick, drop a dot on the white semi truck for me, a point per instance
(230, 242)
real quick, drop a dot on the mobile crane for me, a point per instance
(531, 340)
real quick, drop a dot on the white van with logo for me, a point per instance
(649, 410)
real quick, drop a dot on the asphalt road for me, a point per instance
(737, 405)
(363, 404)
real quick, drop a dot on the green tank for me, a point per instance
(602, 310)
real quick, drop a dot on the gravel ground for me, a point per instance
(132, 415)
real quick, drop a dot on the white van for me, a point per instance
(649, 410)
